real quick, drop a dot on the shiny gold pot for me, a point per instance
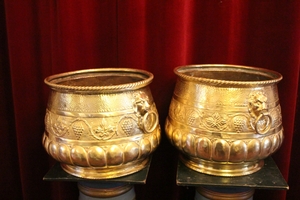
(225, 119)
(101, 123)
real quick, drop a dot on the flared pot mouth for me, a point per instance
(100, 80)
(228, 75)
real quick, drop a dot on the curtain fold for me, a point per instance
(8, 145)
(41, 38)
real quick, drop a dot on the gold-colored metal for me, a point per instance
(225, 119)
(101, 123)
(213, 195)
(104, 192)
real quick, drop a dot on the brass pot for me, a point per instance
(101, 123)
(225, 119)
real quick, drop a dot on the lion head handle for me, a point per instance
(147, 118)
(257, 103)
(141, 105)
(258, 110)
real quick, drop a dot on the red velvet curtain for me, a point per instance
(40, 38)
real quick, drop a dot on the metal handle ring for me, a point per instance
(153, 125)
(268, 124)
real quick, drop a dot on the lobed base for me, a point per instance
(227, 169)
(105, 173)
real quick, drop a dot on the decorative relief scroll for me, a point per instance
(257, 119)
(142, 119)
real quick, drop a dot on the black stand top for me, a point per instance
(56, 173)
(269, 177)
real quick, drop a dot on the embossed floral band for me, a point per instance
(225, 119)
(101, 123)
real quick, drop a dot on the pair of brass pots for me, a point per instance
(103, 123)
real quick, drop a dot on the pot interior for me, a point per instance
(228, 75)
(99, 80)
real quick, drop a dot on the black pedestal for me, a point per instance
(121, 187)
(269, 177)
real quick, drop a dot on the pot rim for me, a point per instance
(272, 76)
(54, 81)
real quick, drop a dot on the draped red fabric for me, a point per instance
(41, 38)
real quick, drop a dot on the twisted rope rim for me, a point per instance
(53, 81)
(273, 76)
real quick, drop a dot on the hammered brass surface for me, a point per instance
(101, 123)
(225, 119)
